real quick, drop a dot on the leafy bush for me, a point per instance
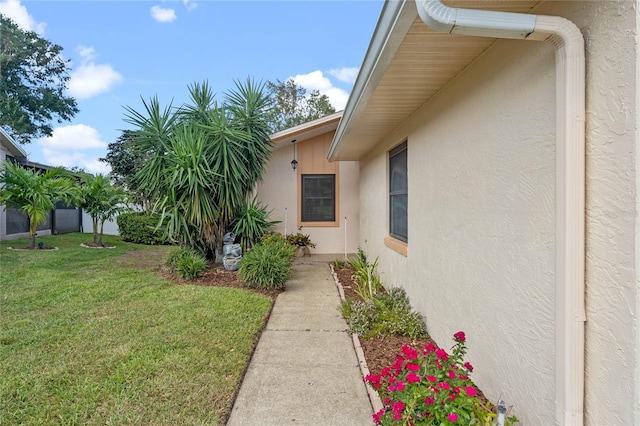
(268, 264)
(140, 228)
(368, 282)
(251, 223)
(383, 315)
(300, 240)
(186, 262)
(279, 243)
(431, 388)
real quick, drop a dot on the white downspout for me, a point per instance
(570, 175)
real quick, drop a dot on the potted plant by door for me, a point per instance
(303, 242)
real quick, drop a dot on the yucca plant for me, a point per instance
(205, 159)
(251, 223)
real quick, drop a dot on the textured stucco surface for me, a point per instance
(481, 253)
(279, 191)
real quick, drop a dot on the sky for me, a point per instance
(124, 51)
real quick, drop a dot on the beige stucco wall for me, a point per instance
(279, 191)
(481, 252)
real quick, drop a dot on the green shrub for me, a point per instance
(368, 282)
(186, 262)
(360, 314)
(383, 315)
(278, 243)
(268, 264)
(191, 266)
(140, 228)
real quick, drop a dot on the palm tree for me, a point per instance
(101, 201)
(207, 159)
(35, 193)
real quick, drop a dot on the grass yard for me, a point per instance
(96, 336)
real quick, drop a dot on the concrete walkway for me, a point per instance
(304, 370)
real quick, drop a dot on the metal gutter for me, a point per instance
(570, 175)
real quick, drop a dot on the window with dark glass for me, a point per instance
(398, 192)
(318, 198)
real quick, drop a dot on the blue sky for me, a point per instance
(121, 51)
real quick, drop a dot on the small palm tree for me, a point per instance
(102, 202)
(35, 192)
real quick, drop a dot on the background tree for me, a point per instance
(205, 158)
(291, 105)
(101, 201)
(126, 159)
(33, 77)
(36, 193)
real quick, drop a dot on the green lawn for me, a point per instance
(95, 336)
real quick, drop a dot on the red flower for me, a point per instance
(409, 352)
(453, 417)
(460, 337)
(413, 378)
(411, 366)
(442, 354)
(429, 347)
(429, 400)
(471, 391)
(374, 380)
(444, 385)
(468, 366)
(452, 374)
(432, 379)
(378, 416)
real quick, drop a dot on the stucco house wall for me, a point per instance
(481, 251)
(481, 221)
(279, 190)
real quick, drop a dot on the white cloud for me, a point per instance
(315, 80)
(18, 14)
(91, 79)
(161, 14)
(190, 5)
(75, 159)
(76, 136)
(345, 74)
(76, 145)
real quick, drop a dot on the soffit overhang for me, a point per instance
(405, 65)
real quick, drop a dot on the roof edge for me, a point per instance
(14, 148)
(393, 24)
(308, 129)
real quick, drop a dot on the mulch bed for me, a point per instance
(217, 276)
(380, 351)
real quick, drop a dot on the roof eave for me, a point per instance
(308, 130)
(15, 149)
(395, 21)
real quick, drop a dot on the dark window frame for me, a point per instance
(398, 192)
(305, 215)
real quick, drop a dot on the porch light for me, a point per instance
(294, 162)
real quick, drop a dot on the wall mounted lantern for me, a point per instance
(294, 162)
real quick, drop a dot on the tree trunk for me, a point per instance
(95, 230)
(32, 235)
(101, 230)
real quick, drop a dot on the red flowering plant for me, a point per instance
(431, 388)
